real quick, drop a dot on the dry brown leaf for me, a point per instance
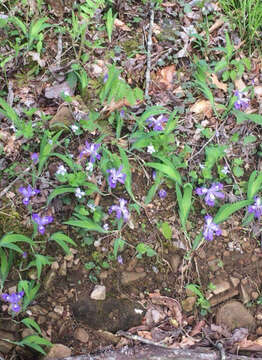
(165, 76)
(220, 85)
(122, 26)
(250, 345)
(169, 4)
(179, 90)
(203, 107)
(198, 327)
(172, 304)
(145, 334)
(239, 84)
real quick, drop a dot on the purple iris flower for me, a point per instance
(34, 157)
(121, 210)
(162, 193)
(157, 123)
(120, 260)
(242, 102)
(27, 193)
(41, 222)
(256, 208)
(122, 113)
(210, 228)
(14, 300)
(116, 176)
(105, 78)
(212, 193)
(92, 151)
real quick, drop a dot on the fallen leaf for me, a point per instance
(239, 84)
(250, 345)
(172, 304)
(198, 327)
(202, 107)
(220, 85)
(145, 334)
(122, 26)
(36, 57)
(165, 76)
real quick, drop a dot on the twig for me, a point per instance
(149, 48)
(2, 193)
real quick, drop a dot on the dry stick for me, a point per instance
(149, 48)
(2, 193)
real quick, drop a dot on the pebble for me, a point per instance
(58, 351)
(234, 315)
(188, 303)
(129, 277)
(81, 335)
(99, 293)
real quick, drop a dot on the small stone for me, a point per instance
(54, 92)
(81, 335)
(188, 303)
(99, 293)
(59, 309)
(234, 315)
(58, 351)
(108, 336)
(221, 286)
(175, 260)
(129, 277)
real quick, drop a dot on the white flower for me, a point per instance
(61, 170)
(74, 128)
(89, 167)
(151, 149)
(202, 166)
(91, 206)
(106, 227)
(79, 194)
(50, 142)
(225, 170)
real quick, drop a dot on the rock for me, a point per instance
(234, 315)
(81, 335)
(175, 260)
(188, 303)
(99, 293)
(49, 279)
(221, 286)
(62, 118)
(111, 314)
(58, 351)
(129, 277)
(5, 346)
(55, 92)
(108, 336)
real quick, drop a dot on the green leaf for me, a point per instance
(152, 191)
(86, 224)
(198, 240)
(166, 230)
(61, 240)
(254, 184)
(172, 173)
(31, 324)
(241, 117)
(184, 202)
(68, 161)
(60, 191)
(228, 209)
(238, 171)
(127, 171)
(195, 289)
(118, 244)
